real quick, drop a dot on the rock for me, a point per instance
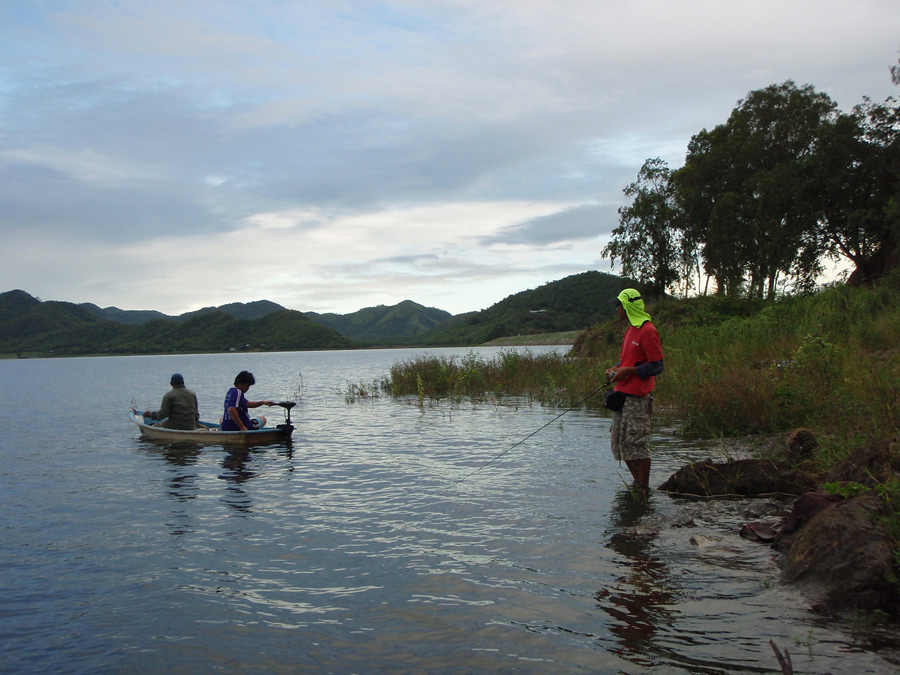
(740, 477)
(801, 443)
(794, 446)
(869, 465)
(686, 521)
(844, 551)
(702, 541)
(760, 531)
(807, 506)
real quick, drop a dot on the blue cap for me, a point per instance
(176, 379)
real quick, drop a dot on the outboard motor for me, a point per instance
(287, 426)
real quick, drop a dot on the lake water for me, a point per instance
(369, 545)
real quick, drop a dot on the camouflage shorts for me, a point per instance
(630, 431)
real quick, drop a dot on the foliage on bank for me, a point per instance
(828, 361)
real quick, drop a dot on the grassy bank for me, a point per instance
(828, 361)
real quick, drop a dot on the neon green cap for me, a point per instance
(631, 301)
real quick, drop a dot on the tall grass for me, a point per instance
(549, 378)
(829, 361)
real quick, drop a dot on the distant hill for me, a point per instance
(129, 316)
(573, 303)
(403, 323)
(31, 327)
(22, 315)
(239, 310)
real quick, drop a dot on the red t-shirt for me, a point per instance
(639, 346)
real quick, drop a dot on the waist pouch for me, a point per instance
(614, 400)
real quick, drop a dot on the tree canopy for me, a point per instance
(763, 199)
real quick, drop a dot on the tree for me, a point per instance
(857, 188)
(742, 190)
(851, 188)
(646, 240)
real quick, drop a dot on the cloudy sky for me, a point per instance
(332, 155)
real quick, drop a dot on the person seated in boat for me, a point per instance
(236, 417)
(179, 409)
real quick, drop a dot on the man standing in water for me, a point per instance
(640, 360)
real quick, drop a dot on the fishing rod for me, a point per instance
(515, 445)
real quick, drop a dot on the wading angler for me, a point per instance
(631, 400)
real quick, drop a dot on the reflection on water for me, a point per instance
(237, 472)
(640, 599)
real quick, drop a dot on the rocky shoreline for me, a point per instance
(836, 543)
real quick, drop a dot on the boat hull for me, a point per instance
(211, 434)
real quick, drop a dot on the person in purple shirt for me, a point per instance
(236, 417)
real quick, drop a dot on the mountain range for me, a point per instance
(31, 327)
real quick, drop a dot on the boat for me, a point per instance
(211, 432)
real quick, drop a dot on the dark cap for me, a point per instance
(176, 379)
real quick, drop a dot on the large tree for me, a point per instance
(851, 188)
(646, 240)
(742, 189)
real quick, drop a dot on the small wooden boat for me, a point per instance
(210, 432)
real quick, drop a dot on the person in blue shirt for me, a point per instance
(236, 417)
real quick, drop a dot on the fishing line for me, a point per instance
(515, 445)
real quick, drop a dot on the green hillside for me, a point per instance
(129, 316)
(239, 310)
(572, 303)
(404, 323)
(21, 315)
(29, 327)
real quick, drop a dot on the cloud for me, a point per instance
(174, 155)
(586, 221)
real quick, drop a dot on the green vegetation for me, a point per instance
(404, 323)
(564, 338)
(572, 303)
(550, 378)
(763, 199)
(29, 328)
(828, 361)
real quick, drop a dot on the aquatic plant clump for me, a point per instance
(550, 378)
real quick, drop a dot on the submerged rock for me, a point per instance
(761, 531)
